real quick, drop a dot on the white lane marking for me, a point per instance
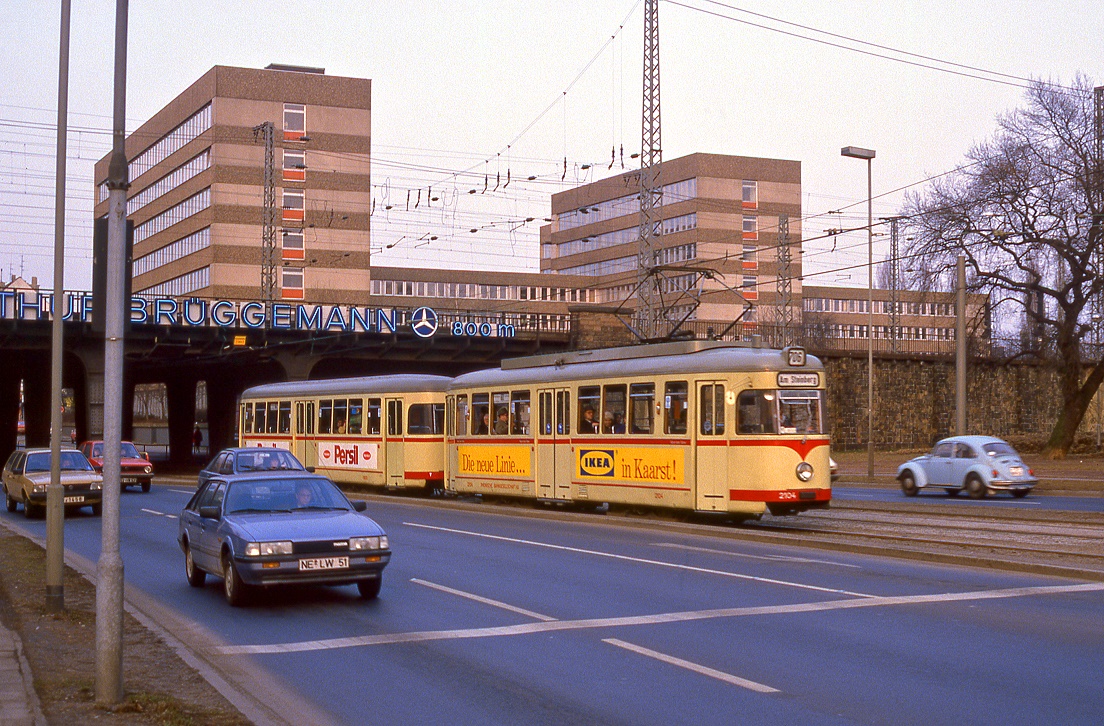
(641, 560)
(484, 600)
(771, 558)
(160, 514)
(690, 666)
(658, 619)
(183, 491)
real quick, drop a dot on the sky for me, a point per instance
(471, 94)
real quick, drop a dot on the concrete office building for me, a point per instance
(196, 196)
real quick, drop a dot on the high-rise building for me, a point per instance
(718, 239)
(197, 188)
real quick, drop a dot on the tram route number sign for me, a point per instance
(798, 380)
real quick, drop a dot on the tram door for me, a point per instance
(304, 450)
(711, 459)
(554, 464)
(393, 444)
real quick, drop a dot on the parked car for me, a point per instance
(274, 528)
(27, 474)
(134, 466)
(250, 458)
(833, 469)
(976, 464)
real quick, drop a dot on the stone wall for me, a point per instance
(914, 401)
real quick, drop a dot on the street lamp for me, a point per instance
(856, 152)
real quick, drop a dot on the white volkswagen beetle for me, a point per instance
(977, 464)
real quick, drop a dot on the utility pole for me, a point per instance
(895, 283)
(55, 494)
(109, 569)
(267, 133)
(651, 191)
(785, 291)
(960, 347)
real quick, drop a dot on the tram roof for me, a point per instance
(664, 359)
(397, 383)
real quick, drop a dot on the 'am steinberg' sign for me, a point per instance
(196, 312)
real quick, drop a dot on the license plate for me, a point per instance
(73, 500)
(324, 563)
(1015, 470)
(130, 480)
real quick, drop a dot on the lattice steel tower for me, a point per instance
(784, 287)
(894, 283)
(649, 312)
(266, 132)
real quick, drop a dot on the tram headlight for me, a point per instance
(804, 471)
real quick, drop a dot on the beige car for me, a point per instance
(27, 474)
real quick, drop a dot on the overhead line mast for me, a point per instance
(649, 311)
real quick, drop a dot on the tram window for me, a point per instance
(425, 418)
(712, 410)
(590, 402)
(799, 412)
(501, 405)
(481, 414)
(356, 415)
(519, 413)
(373, 426)
(299, 418)
(461, 416)
(325, 416)
(258, 418)
(641, 407)
(545, 413)
(563, 413)
(674, 404)
(310, 417)
(285, 417)
(272, 416)
(340, 415)
(394, 418)
(756, 412)
(247, 418)
(613, 410)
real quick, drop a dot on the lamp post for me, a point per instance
(856, 152)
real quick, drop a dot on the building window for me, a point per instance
(190, 206)
(170, 143)
(750, 259)
(295, 165)
(170, 253)
(751, 195)
(291, 283)
(292, 247)
(751, 227)
(293, 205)
(295, 121)
(180, 286)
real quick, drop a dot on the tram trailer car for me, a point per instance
(693, 425)
(375, 430)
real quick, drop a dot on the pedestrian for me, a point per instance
(197, 440)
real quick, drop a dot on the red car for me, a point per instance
(135, 466)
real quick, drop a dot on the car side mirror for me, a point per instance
(360, 505)
(145, 455)
(309, 469)
(209, 512)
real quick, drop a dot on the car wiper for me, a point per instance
(251, 510)
(317, 508)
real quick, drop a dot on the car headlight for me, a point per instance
(38, 488)
(804, 471)
(265, 549)
(148, 469)
(357, 544)
(96, 485)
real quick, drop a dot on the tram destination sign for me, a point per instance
(798, 380)
(424, 322)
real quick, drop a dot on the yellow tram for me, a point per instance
(377, 430)
(694, 425)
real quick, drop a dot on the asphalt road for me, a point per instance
(491, 618)
(938, 498)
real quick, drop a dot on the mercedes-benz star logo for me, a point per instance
(424, 322)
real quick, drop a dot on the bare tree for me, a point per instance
(1021, 212)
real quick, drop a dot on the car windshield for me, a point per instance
(999, 448)
(128, 451)
(283, 495)
(70, 461)
(267, 460)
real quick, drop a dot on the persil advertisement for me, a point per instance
(337, 455)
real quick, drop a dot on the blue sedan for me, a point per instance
(976, 464)
(273, 528)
